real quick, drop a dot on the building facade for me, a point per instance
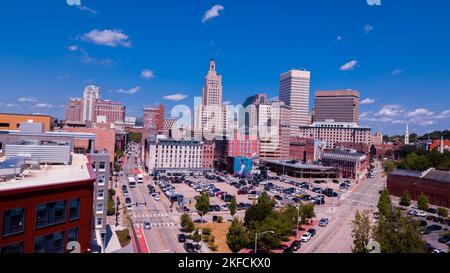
(154, 118)
(74, 110)
(433, 183)
(339, 106)
(212, 90)
(168, 155)
(334, 132)
(41, 213)
(91, 95)
(294, 92)
(13, 121)
(109, 112)
(351, 164)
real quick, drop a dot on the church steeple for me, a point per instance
(407, 134)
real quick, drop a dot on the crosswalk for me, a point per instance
(158, 225)
(150, 215)
(368, 204)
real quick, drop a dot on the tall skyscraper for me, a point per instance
(294, 92)
(337, 106)
(212, 91)
(407, 134)
(90, 96)
(210, 118)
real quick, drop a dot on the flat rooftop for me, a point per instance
(299, 165)
(51, 175)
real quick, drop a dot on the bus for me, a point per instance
(132, 182)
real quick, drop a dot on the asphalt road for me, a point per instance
(336, 237)
(162, 237)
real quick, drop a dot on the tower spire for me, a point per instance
(407, 134)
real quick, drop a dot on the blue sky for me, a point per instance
(397, 54)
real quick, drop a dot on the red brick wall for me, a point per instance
(438, 192)
(106, 139)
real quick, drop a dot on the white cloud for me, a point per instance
(427, 123)
(73, 48)
(227, 102)
(211, 13)
(27, 99)
(175, 97)
(390, 111)
(10, 105)
(420, 112)
(43, 105)
(147, 74)
(107, 37)
(397, 71)
(368, 101)
(349, 66)
(339, 38)
(85, 8)
(368, 29)
(130, 91)
(397, 121)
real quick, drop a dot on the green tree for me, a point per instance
(237, 237)
(196, 237)
(389, 166)
(202, 204)
(361, 232)
(260, 211)
(398, 234)
(405, 200)
(233, 206)
(135, 137)
(186, 223)
(307, 212)
(384, 203)
(443, 212)
(422, 202)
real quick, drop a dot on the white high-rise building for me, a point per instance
(407, 134)
(90, 96)
(294, 92)
(210, 117)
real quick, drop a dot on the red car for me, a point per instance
(242, 192)
(429, 218)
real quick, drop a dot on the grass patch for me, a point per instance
(124, 237)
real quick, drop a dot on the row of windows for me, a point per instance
(49, 214)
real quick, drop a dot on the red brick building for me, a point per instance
(208, 154)
(433, 183)
(105, 139)
(302, 149)
(48, 208)
(109, 112)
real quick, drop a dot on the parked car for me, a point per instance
(296, 245)
(439, 251)
(306, 237)
(288, 250)
(312, 231)
(225, 208)
(277, 197)
(182, 238)
(434, 227)
(242, 192)
(323, 222)
(189, 247)
(444, 240)
(432, 210)
(157, 198)
(335, 181)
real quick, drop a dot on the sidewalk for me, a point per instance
(112, 241)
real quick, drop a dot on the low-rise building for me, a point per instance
(164, 155)
(433, 183)
(351, 164)
(14, 121)
(44, 208)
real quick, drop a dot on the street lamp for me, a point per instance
(261, 234)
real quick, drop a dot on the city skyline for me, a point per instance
(98, 47)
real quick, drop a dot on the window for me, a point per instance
(100, 194)
(101, 180)
(52, 243)
(102, 166)
(100, 207)
(50, 214)
(4, 125)
(72, 236)
(99, 222)
(12, 249)
(74, 209)
(13, 221)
